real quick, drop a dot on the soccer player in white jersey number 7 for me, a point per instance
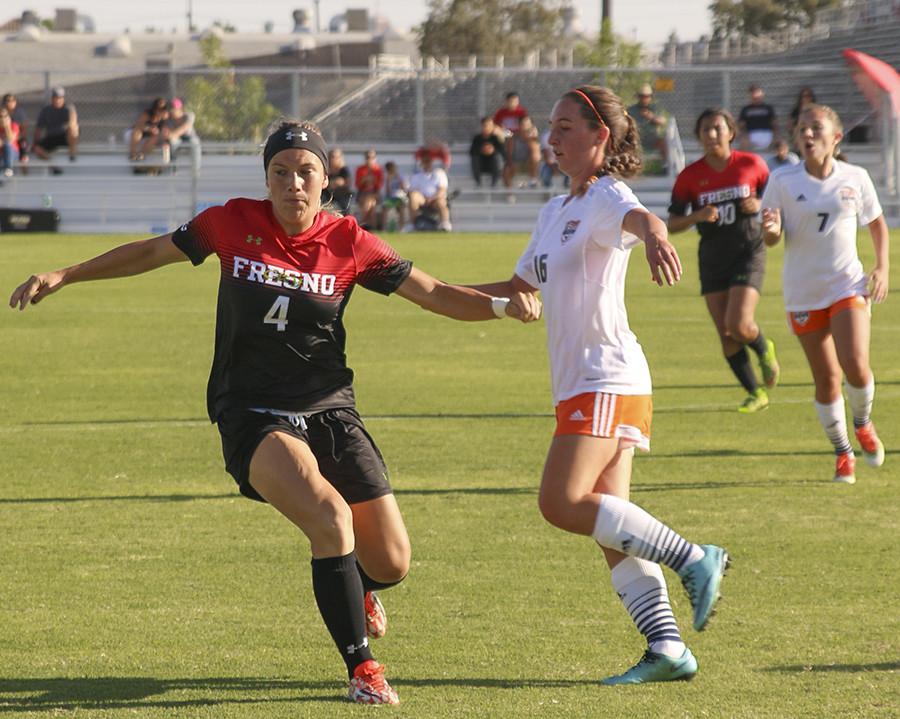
(827, 294)
(577, 258)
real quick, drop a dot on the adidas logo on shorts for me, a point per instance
(577, 415)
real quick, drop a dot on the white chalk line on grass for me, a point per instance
(180, 423)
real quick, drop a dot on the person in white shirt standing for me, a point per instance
(827, 293)
(577, 258)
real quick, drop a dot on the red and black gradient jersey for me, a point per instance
(279, 332)
(734, 233)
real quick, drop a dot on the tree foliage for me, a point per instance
(228, 106)
(460, 28)
(615, 55)
(756, 17)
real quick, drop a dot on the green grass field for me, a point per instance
(136, 582)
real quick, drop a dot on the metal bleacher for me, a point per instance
(100, 192)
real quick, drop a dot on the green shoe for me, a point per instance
(768, 365)
(655, 667)
(755, 402)
(701, 580)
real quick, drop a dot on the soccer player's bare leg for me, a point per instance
(732, 314)
(819, 348)
(851, 329)
(577, 475)
(285, 473)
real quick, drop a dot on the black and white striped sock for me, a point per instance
(834, 422)
(627, 528)
(642, 588)
(860, 400)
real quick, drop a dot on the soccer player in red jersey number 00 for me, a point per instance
(279, 388)
(720, 194)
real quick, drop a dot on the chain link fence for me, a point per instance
(367, 106)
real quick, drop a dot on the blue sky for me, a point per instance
(649, 21)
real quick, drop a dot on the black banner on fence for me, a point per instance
(14, 220)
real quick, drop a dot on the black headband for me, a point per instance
(295, 137)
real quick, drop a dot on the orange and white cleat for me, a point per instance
(872, 447)
(376, 617)
(368, 685)
(844, 468)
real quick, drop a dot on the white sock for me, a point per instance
(627, 528)
(834, 422)
(642, 588)
(861, 399)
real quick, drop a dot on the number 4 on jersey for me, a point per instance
(278, 312)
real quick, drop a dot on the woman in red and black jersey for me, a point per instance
(280, 390)
(720, 193)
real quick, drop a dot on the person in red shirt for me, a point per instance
(509, 119)
(280, 390)
(720, 193)
(369, 180)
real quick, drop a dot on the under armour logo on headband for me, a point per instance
(290, 135)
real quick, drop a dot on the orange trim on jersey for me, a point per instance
(599, 414)
(802, 323)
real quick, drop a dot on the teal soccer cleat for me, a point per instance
(655, 667)
(701, 581)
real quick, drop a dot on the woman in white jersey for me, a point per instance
(577, 258)
(818, 204)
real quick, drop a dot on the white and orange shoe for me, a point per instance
(376, 617)
(368, 685)
(844, 468)
(872, 447)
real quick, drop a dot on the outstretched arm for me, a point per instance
(467, 303)
(665, 265)
(878, 277)
(133, 258)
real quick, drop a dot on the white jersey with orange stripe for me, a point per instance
(820, 218)
(578, 257)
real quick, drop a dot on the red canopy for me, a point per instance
(874, 77)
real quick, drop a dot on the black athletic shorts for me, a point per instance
(51, 142)
(746, 269)
(346, 453)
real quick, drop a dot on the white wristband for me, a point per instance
(498, 304)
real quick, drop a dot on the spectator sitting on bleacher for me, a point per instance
(650, 122)
(339, 181)
(9, 139)
(179, 127)
(508, 118)
(549, 164)
(486, 153)
(395, 196)
(18, 116)
(782, 156)
(150, 131)
(756, 123)
(57, 125)
(524, 154)
(428, 197)
(369, 180)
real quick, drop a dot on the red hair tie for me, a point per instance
(591, 105)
